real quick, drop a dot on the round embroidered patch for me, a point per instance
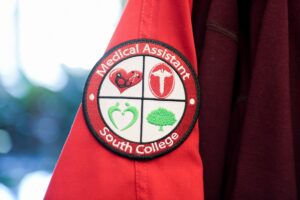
(141, 99)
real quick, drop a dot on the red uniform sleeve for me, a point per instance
(87, 170)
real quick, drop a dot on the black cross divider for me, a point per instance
(142, 99)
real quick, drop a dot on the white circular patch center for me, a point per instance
(142, 99)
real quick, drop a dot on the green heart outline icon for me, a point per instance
(129, 108)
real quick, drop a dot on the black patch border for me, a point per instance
(192, 124)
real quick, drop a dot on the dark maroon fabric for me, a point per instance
(249, 73)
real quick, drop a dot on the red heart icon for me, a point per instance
(124, 80)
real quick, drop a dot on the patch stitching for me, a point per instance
(192, 122)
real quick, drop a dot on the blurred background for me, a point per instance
(47, 48)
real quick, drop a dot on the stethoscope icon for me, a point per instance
(121, 82)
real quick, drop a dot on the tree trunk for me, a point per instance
(161, 128)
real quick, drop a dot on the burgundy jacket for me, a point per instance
(249, 71)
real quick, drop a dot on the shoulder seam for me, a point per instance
(218, 28)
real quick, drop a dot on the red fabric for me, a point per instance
(86, 170)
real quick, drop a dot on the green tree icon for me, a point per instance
(161, 117)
